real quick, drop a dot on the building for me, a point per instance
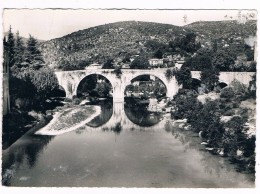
(126, 66)
(155, 62)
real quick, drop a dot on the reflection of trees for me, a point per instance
(20, 152)
(116, 129)
(190, 140)
(139, 115)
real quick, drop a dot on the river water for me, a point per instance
(128, 147)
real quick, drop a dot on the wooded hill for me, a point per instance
(124, 39)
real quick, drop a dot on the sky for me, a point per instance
(46, 24)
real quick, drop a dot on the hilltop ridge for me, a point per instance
(118, 40)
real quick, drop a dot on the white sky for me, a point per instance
(47, 24)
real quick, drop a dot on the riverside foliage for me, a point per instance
(229, 137)
(30, 79)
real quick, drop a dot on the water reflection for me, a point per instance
(216, 166)
(25, 150)
(105, 115)
(161, 155)
(139, 115)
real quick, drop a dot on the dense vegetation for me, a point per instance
(228, 138)
(121, 40)
(31, 81)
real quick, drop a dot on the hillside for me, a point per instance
(121, 39)
(97, 44)
(226, 31)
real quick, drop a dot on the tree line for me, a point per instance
(31, 82)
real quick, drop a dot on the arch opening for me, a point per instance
(144, 100)
(146, 86)
(94, 87)
(222, 85)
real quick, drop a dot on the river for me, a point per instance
(122, 147)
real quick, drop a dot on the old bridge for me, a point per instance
(70, 80)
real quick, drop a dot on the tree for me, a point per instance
(207, 120)
(186, 43)
(168, 74)
(183, 77)
(129, 88)
(223, 60)
(5, 56)
(21, 87)
(44, 81)
(118, 71)
(10, 47)
(33, 55)
(19, 51)
(140, 62)
(102, 89)
(186, 104)
(202, 60)
(158, 54)
(109, 64)
(210, 77)
(235, 135)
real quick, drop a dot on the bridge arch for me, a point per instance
(149, 78)
(91, 77)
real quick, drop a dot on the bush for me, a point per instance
(227, 92)
(76, 101)
(168, 74)
(238, 87)
(183, 77)
(229, 113)
(235, 104)
(210, 77)
(235, 135)
(186, 104)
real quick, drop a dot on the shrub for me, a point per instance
(210, 77)
(227, 92)
(235, 135)
(185, 104)
(183, 77)
(76, 101)
(229, 112)
(235, 104)
(118, 71)
(238, 87)
(168, 74)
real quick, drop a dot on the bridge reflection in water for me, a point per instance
(140, 158)
(121, 119)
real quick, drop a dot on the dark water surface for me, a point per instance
(123, 155)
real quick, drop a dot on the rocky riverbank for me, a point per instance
(224, 122)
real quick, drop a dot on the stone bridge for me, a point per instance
(70, 80)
